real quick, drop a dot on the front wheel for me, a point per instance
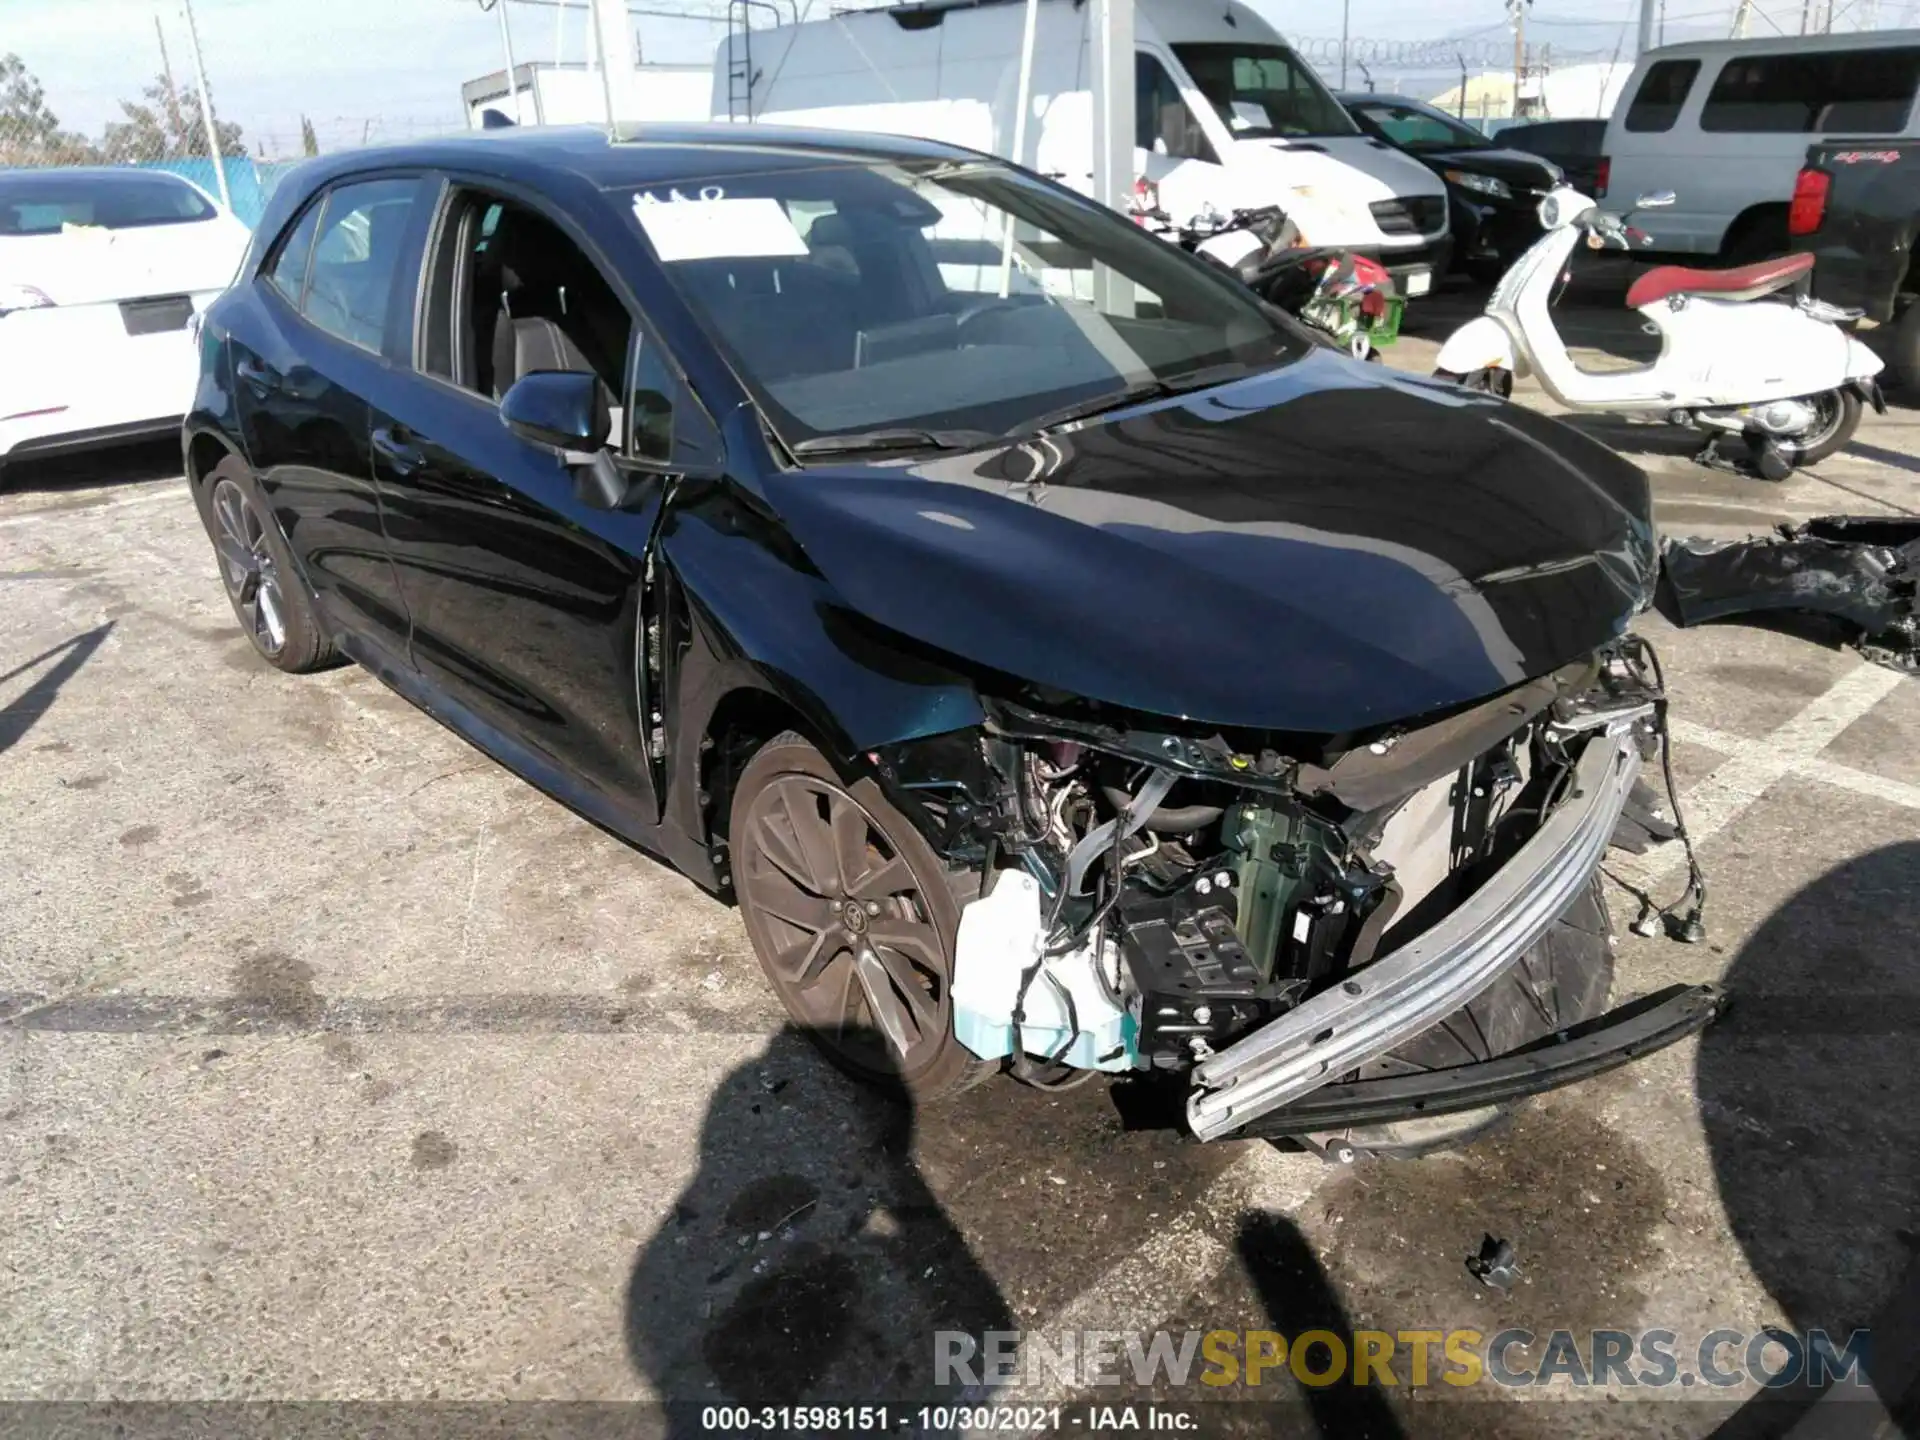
(1836, 417)
(1488, 380)
(854, 920)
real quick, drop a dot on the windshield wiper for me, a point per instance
(896, 438)
(1135, 394)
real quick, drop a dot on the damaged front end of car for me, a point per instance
(1300, 927)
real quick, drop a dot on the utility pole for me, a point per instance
(613, 37)
(1346, 10)
(176, 122)
(1517, 9)
(513, 76)
(1644, 41)
(1111, 26)
(1742, 17)
(206, 106)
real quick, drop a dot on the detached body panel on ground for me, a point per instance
(865, 526)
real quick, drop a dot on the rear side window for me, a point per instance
(1656, 104)
(358, 251)
(1857, 91)
(288, 274)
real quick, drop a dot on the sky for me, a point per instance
(379, 69)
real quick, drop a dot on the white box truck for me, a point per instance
(1225, 113)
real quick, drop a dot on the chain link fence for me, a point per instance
(165, 127)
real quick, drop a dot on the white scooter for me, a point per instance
(1784, 375)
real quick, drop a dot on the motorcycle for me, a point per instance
(1786, 377)
(1348, 298)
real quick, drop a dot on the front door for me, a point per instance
(524, 600)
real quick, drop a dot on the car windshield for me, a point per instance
(941, 298)
(48, 202)
(1418, 127)
(1264, 91)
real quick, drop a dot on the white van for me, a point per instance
(1725, 125)
(1226, 113)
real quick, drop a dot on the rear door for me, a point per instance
(525, 601)
(334, 295)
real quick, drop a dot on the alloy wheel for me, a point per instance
(247, 566)
(843, 926)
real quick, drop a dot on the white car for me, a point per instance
(100, 272)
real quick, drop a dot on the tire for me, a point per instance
(820, 935)
(269, 598)
(1904, 348)
(1564, 979)
(1488, 380)
(1486, 269)
(1759, 237)
(1841, 419)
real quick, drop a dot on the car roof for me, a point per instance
(640, 154)
(1361, 97)
(89, 175)
(1780, 44)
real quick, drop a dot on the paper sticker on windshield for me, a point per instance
(700, 229)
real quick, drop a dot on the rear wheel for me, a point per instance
(1564, 979)
(853, 918)
(269, 598)
(1837, 416)
(1904, 347)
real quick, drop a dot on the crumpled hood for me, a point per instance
(1321, 548)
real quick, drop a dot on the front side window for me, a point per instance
(941, 296)
(53, 201)
(510, 292)
(357, 253)
(1864, 91)
(1416, 128)
(1263, 91)
(1163, 121)
(1663, 90)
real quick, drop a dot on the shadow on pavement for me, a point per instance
(807, 1261)
(109, 465)
(1810, 1096)
(20, 714)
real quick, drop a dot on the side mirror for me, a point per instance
(1656, 200)
(561, 409)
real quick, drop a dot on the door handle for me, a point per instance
(256, 377)
(394, 444)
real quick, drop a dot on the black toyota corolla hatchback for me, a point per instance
(1066, 662)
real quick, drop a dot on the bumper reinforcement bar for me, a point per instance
(1420, 983)
(1614, 1039)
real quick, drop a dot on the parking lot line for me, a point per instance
(1752, 767)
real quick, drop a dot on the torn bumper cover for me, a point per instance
(1861, 569)
(1414, 987)
(1614, 1039)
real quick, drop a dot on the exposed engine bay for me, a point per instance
(1165, 902)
